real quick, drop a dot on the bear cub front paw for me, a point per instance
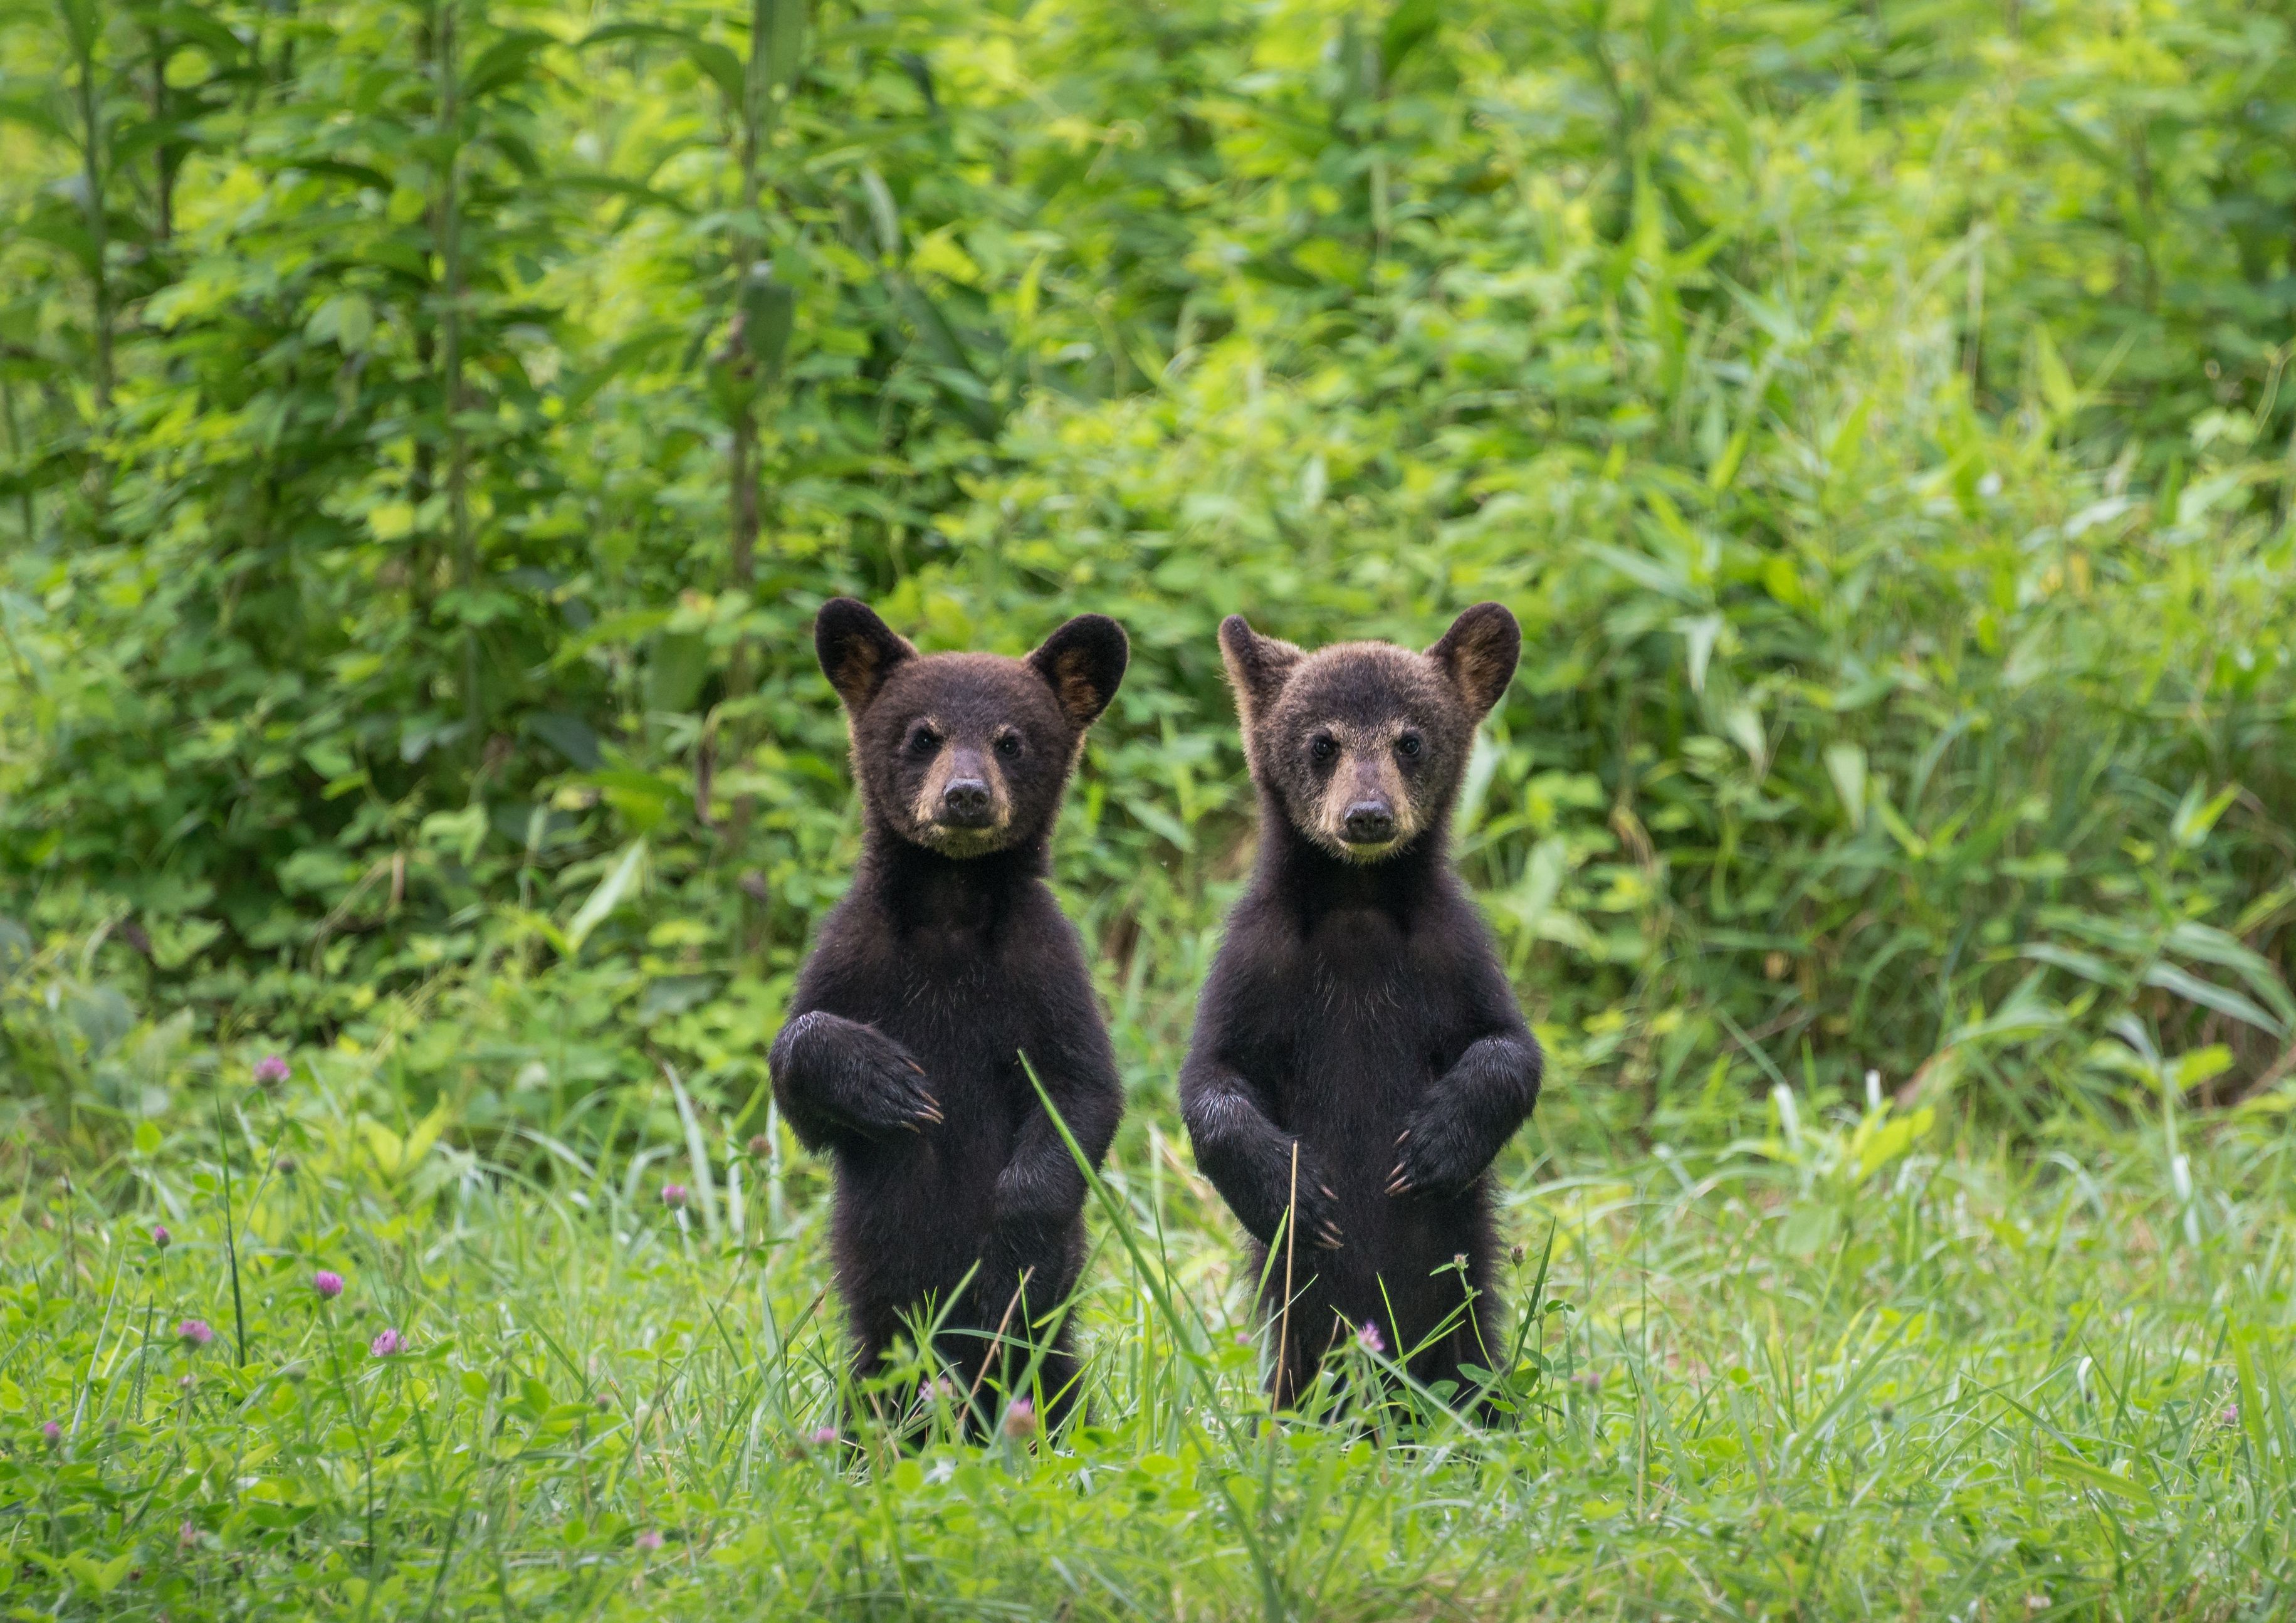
(1432, 1156)
(891, 1089)
(859, 1075)
(1318, 1208)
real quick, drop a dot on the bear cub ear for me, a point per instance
(1082, 663)
(1479, 654)
(858, 651)
(1258, 666)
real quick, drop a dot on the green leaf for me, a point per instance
(784, 46)
(723, 68)
(2196, 815)
(717, 62)
(676, 670)
(2193, 940)
(644, 799)
(99, 1578)
(1408, 26)
(571, 736)
(883, 212)
(35, 116)
(1700, 632)
(2086, 965)
(2191, 987)
(507, 61)
(2081, 1474)
(2056, 382)
(1648, 572)
(1845, 764)
(768, 311)
(607, 896)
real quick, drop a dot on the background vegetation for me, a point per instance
(425, 432)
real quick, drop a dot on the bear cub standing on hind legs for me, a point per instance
(945, 964)
(1356, 1014)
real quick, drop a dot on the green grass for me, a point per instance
(1873, 1368)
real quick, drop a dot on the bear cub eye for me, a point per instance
(1323, 747)
(1008, 743)
(1408, 746)
(921, 739)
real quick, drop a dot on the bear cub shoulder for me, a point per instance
(946, 974)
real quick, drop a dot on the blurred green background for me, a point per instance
(428, 432)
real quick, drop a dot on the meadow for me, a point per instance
(1832, 1372)
(427, 427)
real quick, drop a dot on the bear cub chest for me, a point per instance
(1362, 1019)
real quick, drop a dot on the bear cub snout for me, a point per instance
(945, 974)
(1358, 1058)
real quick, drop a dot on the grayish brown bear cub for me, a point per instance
(1356, 1011)
(946, 963)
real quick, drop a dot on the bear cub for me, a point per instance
(945, 964)
(1356, 1012)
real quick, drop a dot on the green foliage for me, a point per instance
(1843, 1370)
(431, 426)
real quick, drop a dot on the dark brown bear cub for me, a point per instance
(945, 964)
(1356, 1011)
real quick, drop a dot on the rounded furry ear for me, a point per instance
(858, 651)
(1083, 662)
(1258, 666)
(1479, 654)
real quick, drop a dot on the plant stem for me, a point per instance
(449, 231)
(229, 1232)
(744, 247)
(85, 28)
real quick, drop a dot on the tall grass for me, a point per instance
(1846, 1366)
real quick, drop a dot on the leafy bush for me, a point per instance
(431, 426)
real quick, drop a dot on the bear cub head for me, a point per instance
(1362, 745)
(965, 753)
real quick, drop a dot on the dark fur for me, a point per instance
(946, 963)
(1358, 1009)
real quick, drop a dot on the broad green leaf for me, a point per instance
(2082, 1473)
(1845, 764)
(609, 895)
(2190, 986)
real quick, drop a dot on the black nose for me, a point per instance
(1369, 822)
(966, 802)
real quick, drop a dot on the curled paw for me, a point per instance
(1428, 1161)
(894, 1092)
(913, 1106)
(1319, 1214)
